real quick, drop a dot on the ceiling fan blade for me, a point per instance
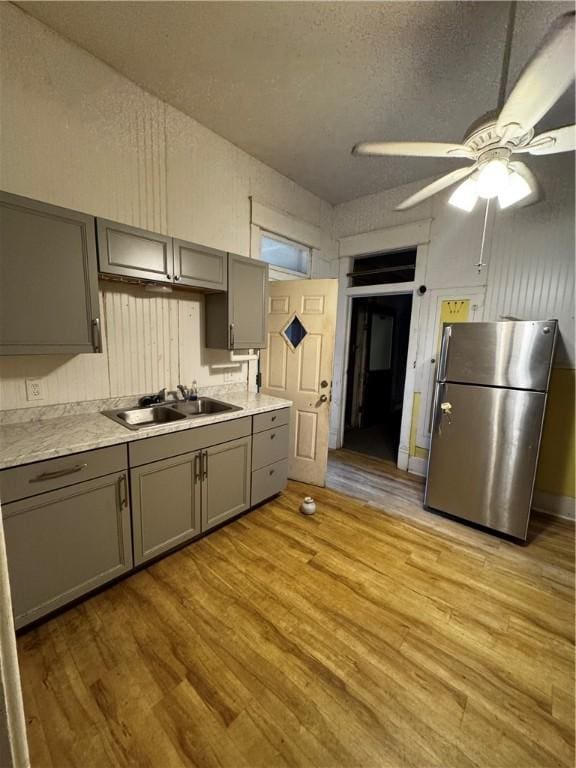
(436, 186)
(411, 149)
(552, 142)
(544, 79)
(531, 180)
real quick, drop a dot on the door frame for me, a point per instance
(415, 235)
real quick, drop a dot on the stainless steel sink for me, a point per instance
(203, 406)
(150, 416)
(138, 418)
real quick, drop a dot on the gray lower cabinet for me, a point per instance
(237, 319)
(165, 504)
(134, 253)
(64, 543)
(48, 279)
(226, 481)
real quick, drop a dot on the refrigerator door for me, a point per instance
(515, 354)
(484, 453)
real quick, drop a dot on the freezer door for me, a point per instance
(514, 354)
(484, 453)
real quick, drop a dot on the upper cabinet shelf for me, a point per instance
(48, 279)
(136, 253)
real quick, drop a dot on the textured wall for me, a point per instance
(530, 274)
(77, 134)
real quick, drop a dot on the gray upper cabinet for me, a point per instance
(225, 481)
(199, 266)
(237, 319)
(48, 279)
(135, 253)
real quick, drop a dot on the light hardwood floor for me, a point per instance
(358, 637)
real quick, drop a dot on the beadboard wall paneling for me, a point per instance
(531, 258)
(142, 339)
(76, 133)
(65, 378)
(529, 251)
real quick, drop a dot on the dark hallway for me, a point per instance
(379, 336)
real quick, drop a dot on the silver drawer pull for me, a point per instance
(58, 473)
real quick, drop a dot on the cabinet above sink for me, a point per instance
(138, 254)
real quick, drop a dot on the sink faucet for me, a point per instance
(185, 391)
(189, 393)
(159, 397)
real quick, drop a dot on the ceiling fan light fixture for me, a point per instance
(492, 178)
(515, 189)
(465, 196)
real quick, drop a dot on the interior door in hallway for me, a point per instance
(297, 365)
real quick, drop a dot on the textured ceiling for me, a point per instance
(296, 84)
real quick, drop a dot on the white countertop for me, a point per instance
(30, 441)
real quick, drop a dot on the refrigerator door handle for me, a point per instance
(446, 336)
(436, 413)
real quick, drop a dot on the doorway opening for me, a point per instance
(378, 352)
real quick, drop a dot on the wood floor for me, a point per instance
(358, 637)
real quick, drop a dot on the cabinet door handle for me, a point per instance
(58, 473)
(232, 335)
(273, 435)
(273, 418)
(123, 491)
(96, 335)
(197, 468)
(204, 465)
(271, 472)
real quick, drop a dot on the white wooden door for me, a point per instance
(297, 365)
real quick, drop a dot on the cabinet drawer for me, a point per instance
(42, 476)
(271, 419)
(269, 480)
(270, 446)
(164, 446)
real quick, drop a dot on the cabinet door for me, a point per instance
(132, 252)
(65, 543)
(247, 287)
(226, 481)
(48, 279)
(200, 267)
(165, 504)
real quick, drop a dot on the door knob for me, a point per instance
(323, 398)
(323, 383)
(446, 408)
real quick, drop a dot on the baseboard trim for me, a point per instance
(557, 506)
(417, 466)
(403, 459)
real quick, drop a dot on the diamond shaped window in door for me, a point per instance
(294, 332)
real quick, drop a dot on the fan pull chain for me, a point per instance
(481, 263)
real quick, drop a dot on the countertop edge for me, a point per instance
(119, 435)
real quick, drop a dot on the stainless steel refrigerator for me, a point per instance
(490, 398)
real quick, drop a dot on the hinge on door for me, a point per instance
(259, 379)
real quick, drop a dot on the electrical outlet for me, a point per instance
(34, 389)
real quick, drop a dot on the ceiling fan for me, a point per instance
(491, 142)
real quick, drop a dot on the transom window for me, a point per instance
(285, 256)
